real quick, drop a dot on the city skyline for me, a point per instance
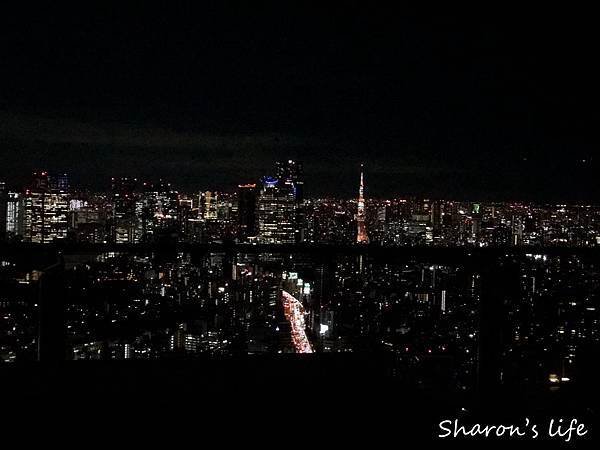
(81, 184)
(276, 210)
(299, 219)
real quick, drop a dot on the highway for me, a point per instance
(294, 314)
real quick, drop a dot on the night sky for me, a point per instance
(498, 106)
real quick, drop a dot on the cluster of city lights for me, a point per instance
(294, 314)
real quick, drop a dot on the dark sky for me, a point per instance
(501, 105)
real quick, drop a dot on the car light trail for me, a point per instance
(294, 314)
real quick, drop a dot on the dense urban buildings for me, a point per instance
(275, 210)
(349, 303)
(137, 304)
(276, 220)
(297, 276)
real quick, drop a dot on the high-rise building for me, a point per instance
(185, 214)
(45, 209)
(246, 211)
(476, 218)
(276, 212)
(436, 217)
(14, 215)
(126, 211)
(225, 207)
(208, 204)
(3, 209)
(60, 182)
(157, 210)
(517, 230)
(87, 223)
(361, 236)
(291, 174)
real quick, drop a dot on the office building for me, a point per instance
(45, 209)
(276, 212)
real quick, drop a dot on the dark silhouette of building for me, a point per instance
(246, 211)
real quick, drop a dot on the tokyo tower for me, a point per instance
(361, 236)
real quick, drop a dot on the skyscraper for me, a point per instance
(125, 211)
(208, 205)
(290, 173)
(45, 208)
(14, 213)
(3, 209)
(159, 206)
(246, 211)
(60, 182)
(276, 212)
(361, 235)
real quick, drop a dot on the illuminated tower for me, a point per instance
(361, 236)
